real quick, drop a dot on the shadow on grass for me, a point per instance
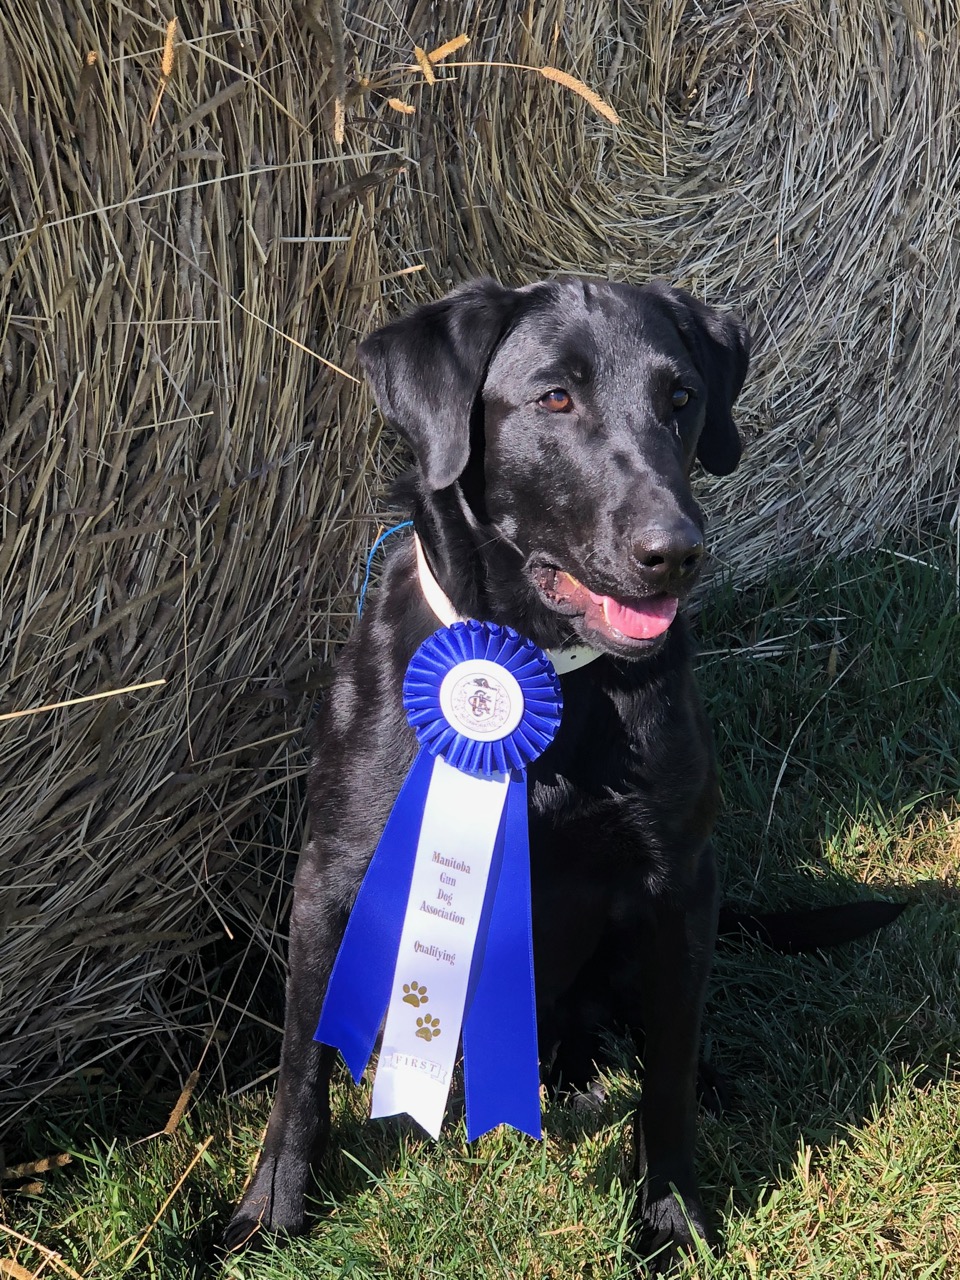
(834, 700)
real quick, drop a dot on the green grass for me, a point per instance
(836, 703)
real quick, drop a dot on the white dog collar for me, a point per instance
(569, 658)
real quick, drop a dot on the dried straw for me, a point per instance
(76, 702)
(166, 67)
(425, 65)
(189, 482)
(582, 90)
(186, 487)
(449, 46)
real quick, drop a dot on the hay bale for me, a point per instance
(199, 224)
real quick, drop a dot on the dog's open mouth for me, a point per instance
(636, 624)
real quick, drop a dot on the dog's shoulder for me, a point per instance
(360, 729)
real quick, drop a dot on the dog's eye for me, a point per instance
(557, 401)
(680, 397)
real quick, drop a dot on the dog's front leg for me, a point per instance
(676, 949)
(299, 1123)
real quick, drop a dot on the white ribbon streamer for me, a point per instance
(422, 1032)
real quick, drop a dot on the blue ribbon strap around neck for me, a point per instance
(459, 713)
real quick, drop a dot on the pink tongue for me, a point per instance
(639, 624)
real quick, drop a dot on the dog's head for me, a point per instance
(555, 428)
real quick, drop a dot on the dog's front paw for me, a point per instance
(668, 1231)
(274, 1202)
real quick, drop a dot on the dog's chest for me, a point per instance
(628, 783)
(635, 747)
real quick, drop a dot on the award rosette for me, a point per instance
(439, 938)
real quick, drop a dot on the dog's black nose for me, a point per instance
(669, 554)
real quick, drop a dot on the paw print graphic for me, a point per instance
(428, 1028)
(414, 994)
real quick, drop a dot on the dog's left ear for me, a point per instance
(720, 346)
(427, 370)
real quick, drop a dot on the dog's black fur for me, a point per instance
(554, 429)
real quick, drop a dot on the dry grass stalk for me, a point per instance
(166, 61)
(76, 702)
(49, 1256)
(166, 68)
(425, 65)
(197, 1157)
(33, 1167)
(584, 91)
(450, 46)
(10, 1267)
(180, 1107)
(550, 73)
(338, 69)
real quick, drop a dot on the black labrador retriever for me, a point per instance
(554, 429)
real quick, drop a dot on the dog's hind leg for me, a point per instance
(299, 1123)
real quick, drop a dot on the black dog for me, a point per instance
(554, 428)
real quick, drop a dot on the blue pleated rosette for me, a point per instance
(486, 701)
(506, 742)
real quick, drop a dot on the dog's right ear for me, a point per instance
(427, 370)
(720, 346)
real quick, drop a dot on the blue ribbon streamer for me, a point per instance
(359, 988)
(499, 1030)
(500, 1058)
